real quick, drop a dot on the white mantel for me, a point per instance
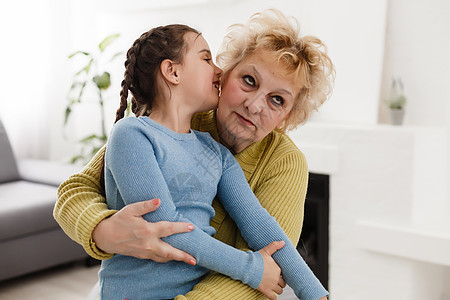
(389, 238)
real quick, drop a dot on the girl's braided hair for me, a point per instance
(142, 65)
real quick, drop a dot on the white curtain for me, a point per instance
(34, 75)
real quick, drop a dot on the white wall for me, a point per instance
(38, 39)
(355, 40)
(354, 37)
(417, 44)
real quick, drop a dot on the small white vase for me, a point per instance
(396, 116)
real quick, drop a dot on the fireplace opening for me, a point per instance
(313, 244)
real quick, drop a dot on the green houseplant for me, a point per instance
(91, 77)
(396, 102)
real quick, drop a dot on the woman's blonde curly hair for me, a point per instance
(303, 57)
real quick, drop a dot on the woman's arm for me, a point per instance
(82, 213)
(281, 189)
(81, 206)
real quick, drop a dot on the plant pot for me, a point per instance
(396, 116)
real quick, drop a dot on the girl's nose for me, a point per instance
(218, 71)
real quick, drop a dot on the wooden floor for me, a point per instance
(70, 282)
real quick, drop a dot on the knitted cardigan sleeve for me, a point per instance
(281, 189)
(81, 205)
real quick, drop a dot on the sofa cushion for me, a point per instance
(30, 203)
(46, 171)
(8, 166)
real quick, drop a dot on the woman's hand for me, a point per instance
(272, 282)
(128, 233)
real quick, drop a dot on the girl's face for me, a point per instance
(256, 98)
(199, 75)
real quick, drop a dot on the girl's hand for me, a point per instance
(127, 233)
(272, 282)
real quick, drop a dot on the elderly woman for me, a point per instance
(272, 80)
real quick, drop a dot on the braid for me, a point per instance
(130, 63)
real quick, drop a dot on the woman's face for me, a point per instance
(256, 98)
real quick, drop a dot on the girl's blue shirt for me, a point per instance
(145, 160)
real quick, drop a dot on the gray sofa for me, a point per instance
(30, 239)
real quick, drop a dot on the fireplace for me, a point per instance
(313, 244)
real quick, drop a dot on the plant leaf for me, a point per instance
(88, 138)
(79, 52)
(94, 151)
(107, 41)
(91, 138)
(81, 71)
(85, 68)
(102, 81)
(76, 158)
(67, 114)
(75, 84)
(116, 55)
(81, 92)
(128, 108)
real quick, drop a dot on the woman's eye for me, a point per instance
(277, 100)
(249, 80)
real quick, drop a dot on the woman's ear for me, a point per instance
(281, 124)
(170, 71)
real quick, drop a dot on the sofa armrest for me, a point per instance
(46, 171)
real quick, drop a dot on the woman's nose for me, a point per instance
(255, 103)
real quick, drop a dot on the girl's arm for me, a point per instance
(137, 175)
(281, 189)
(259, 229)
(82, 213)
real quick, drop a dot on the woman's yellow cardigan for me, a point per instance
(275, 169)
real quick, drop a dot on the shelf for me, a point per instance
(432, 246)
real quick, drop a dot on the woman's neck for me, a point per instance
(175, 117)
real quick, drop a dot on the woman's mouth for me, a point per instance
(245, 121)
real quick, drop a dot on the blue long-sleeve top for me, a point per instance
(145, 160)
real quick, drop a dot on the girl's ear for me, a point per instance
(170, 71)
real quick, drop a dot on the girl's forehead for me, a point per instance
(195, 40)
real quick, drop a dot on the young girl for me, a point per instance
(171, 76)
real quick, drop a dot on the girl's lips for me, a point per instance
(244, 120)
